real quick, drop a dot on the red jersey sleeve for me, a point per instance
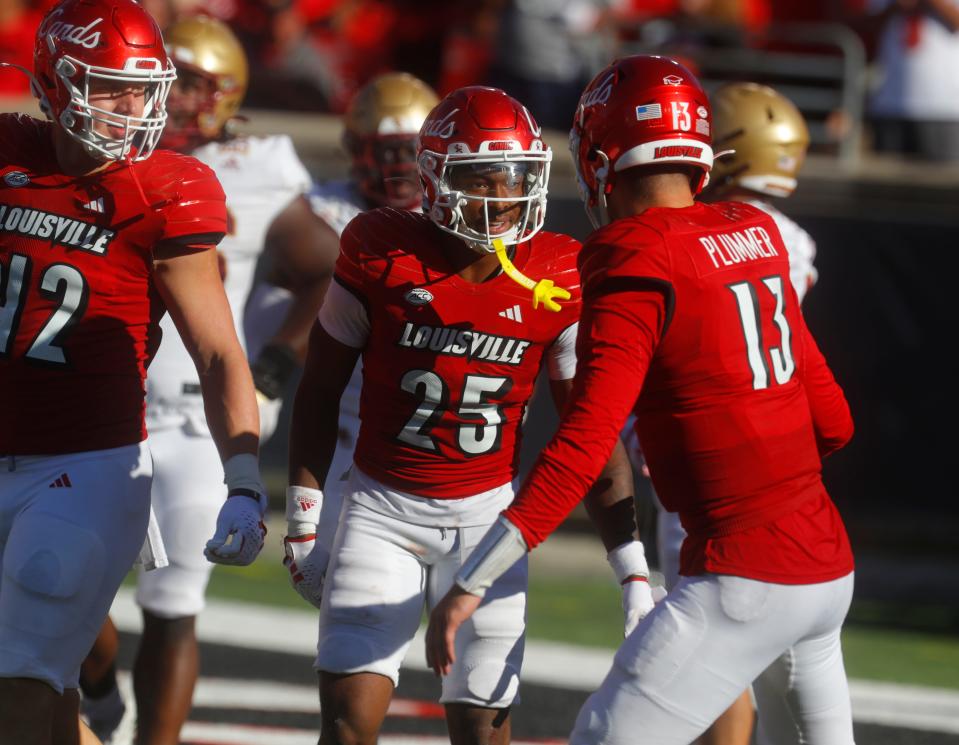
(195, 214)
(626, 304)
(832, 421)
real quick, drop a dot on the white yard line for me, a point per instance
(549, 663)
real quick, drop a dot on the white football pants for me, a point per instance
(70, 528)
(699, 649)
(188, 491)
(383, 572)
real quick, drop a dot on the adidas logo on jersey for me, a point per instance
(95, 205)
(61, 482)
(513, 314)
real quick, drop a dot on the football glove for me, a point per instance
(628, 562)
(239, 529)
(305, 559)
(273, 369)
(239, 526)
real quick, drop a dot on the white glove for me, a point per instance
(307, 561)
(239, 529)
(639, 597)
(628, 562)
(239, 526)
(304, 558)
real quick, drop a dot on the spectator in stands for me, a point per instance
(538, 55)
(914, 109)
(18, 22)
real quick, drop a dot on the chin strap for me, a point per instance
(544, 291)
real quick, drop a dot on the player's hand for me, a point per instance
(448, 615)
(239, 529)
(306, 561)
(639, 598)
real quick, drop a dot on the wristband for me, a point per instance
(497, 551)
(243, 472)
(303, 506)
(629, 561)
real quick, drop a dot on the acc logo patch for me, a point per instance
(419, 296)
(16, 178)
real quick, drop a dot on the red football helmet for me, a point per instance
(80, 42)
(476, 127)
(638, 111)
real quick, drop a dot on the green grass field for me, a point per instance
(587, 612)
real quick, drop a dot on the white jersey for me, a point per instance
(336, 203)
(260, 176)
(800, 246)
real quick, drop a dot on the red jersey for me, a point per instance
(449, 365)
(690, 321)
(78, 312)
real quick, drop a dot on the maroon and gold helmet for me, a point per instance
(381, 126)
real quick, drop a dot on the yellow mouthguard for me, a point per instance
(544, 291)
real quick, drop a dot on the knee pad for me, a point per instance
(346, 652)
(485, 679)
(53, 570)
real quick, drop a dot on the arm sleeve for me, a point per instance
(561, 355)
(831, 418)
(343, 316)
(619, 332)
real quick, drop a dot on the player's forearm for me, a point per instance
(294, 331)
(617, 337)
(230, 403)
(313, 436)
(611, 502)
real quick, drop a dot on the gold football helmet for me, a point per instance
(381, 128)
(212, 79)
(768, 135)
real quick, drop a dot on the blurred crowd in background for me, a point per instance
(869, 74)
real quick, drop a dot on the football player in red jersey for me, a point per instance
(97, 239)
(690, 321)
(451, 348)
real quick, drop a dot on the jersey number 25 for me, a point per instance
(477, 404)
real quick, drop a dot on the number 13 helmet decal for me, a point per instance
(640, 110)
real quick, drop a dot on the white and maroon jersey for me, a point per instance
(260, 176)
(690, 321)
(79, 315)
(448, 365)
(799, 245)
(336, 202)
